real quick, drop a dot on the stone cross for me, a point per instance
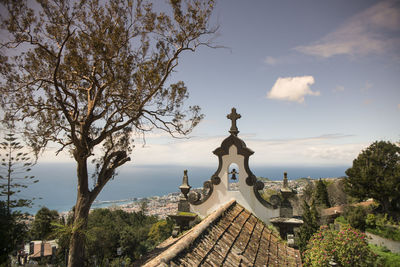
(233, 116)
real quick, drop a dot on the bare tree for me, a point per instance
(86, 74)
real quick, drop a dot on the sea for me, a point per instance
(57, 184)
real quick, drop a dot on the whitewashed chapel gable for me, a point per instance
(233, 180)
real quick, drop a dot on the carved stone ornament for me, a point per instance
(195, 198)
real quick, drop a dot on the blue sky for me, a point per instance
(314, 81)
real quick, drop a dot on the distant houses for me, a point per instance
(37, 250)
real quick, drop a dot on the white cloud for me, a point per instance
(374, 30)
(325, 150)
(292, 89)
(320, 150)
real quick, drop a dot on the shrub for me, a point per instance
(356, 217)
(160, 231)
(385, 257)
(309, 227)
(370, 221)
(341, 220)
(347, 247)
(382, 226)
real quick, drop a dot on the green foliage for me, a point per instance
(347, 247)
(161, 230)
(356, 217)
(13, 232)
(386, 232)
(184, 213)
(14, 172)
(309, 227)
(263, 179)
(321, 194)
(135, 233)
(121, 261)
(308, 192)
(381, 220)
(385, 257)
(267, 193)
(380, 225)
(88, 74)
(341, 220)
(15, 164)
(376, 174)
(275, 231)
(42, 226)
(370, 221)
(5, 240)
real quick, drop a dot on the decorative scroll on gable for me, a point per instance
(216, 191)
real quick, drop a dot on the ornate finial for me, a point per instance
(185, 187)
(233, 116)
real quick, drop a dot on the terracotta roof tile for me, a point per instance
(340, 209)
(231, 236)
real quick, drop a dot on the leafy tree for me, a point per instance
(102, 235)
(6, 241)
(308, 192)
(87, 74)
(347, 247)
(15, 166)
(14, 169)
(356, 216)
(134, 241)
(321, 194)
(376, 174)
(161, 230)
(13, 232)
(109, 230)
(310, 226)
(42, 226)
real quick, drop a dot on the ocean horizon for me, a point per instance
(57, 182)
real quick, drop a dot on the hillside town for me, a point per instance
(162, 206)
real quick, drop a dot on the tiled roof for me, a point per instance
(337, 210)
(231, 236)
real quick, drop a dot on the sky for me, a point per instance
(314, 81)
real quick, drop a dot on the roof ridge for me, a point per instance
(189, 237)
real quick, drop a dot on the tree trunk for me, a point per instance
(76, 257)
